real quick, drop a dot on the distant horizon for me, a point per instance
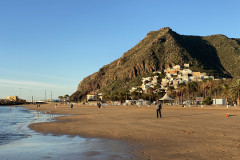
(53, 45)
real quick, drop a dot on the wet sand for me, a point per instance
(182, 133)
(18, 142)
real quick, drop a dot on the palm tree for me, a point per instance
(206, 87)
(126, 92)
(121, 96)
(60, 98)
(225, 90)
(139, 91)
(217, 88)
(150, 91)
(178, 94)
(209, 85)
(66, 97)
(192, 88)
(181, 89)
(171, 90)
(235, 90)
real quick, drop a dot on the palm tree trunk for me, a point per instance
(181, 98)
(238, 99)
(226, 100)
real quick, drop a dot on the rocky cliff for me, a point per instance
(217, 55)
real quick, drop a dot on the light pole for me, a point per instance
(20, 92)
(45, 94)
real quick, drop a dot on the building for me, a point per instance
(133, 89)
(145, 87)
(155, 80)
(157, 72)
(186, 72)
(177, 68)
(219, 102)
(12, 98)
(92, 96)
(149, 82)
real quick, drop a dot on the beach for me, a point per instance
(182, 133)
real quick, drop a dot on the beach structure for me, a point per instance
(141, 102)
(166, 98)
(39, 102)
(198, 100)
(219, 102)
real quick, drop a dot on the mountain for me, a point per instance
(216, 55)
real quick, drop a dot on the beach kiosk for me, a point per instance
(166, 98)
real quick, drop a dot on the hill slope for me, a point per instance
(217, 55)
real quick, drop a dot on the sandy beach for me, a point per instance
(182, 133)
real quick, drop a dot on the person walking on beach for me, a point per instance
(71, 106)
(99, 105)
(158, 109)
(56, 105)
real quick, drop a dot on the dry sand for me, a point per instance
(182, 133)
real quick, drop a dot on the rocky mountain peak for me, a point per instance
(216, 55)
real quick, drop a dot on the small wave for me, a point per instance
(9, 137)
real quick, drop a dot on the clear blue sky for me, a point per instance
(53, 44)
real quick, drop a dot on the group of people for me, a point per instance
(98, 104)
(158, 108)
(56, 105)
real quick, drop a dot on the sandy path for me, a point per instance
(182, 133)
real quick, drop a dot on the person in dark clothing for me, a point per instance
(99, 105)
(71, 106)
(158, 109)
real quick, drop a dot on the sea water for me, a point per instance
(18, 142)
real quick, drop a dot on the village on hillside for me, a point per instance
(166, 82)
(173, 77)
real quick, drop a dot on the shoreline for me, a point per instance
(50, 109)
(182, 133)
(18, 141)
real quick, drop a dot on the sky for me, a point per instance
(48, 46)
